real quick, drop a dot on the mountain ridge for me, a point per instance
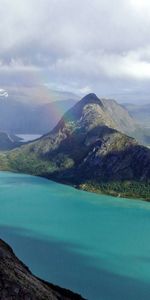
(32, 118)
(82, 150)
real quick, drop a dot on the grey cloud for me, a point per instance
(98, 45)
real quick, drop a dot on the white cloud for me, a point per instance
(128, 65)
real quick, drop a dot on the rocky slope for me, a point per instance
(121, 117)
(17, 282)
(84, 149)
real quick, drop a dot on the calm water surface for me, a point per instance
(98, 246)
(28, 137)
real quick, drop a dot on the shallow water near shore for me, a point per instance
(95, 245)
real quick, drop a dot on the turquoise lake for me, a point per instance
(98, 246)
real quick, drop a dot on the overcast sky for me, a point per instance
(101, 46)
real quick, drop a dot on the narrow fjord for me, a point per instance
(95, 245)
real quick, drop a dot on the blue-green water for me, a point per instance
(96, 245)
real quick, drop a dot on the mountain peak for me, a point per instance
(87, 113)
(91, 95)
(91, 98)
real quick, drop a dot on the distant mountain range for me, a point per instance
(35, 94)
(32, 109)
(17, 117)
(141, 113)
(9, 141)
(86, 150)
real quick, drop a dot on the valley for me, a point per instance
(74, 150)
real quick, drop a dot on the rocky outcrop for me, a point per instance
(18, 283)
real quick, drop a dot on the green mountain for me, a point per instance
(17, 282)
(86, 150)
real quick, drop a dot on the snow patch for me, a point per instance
(3, 93)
